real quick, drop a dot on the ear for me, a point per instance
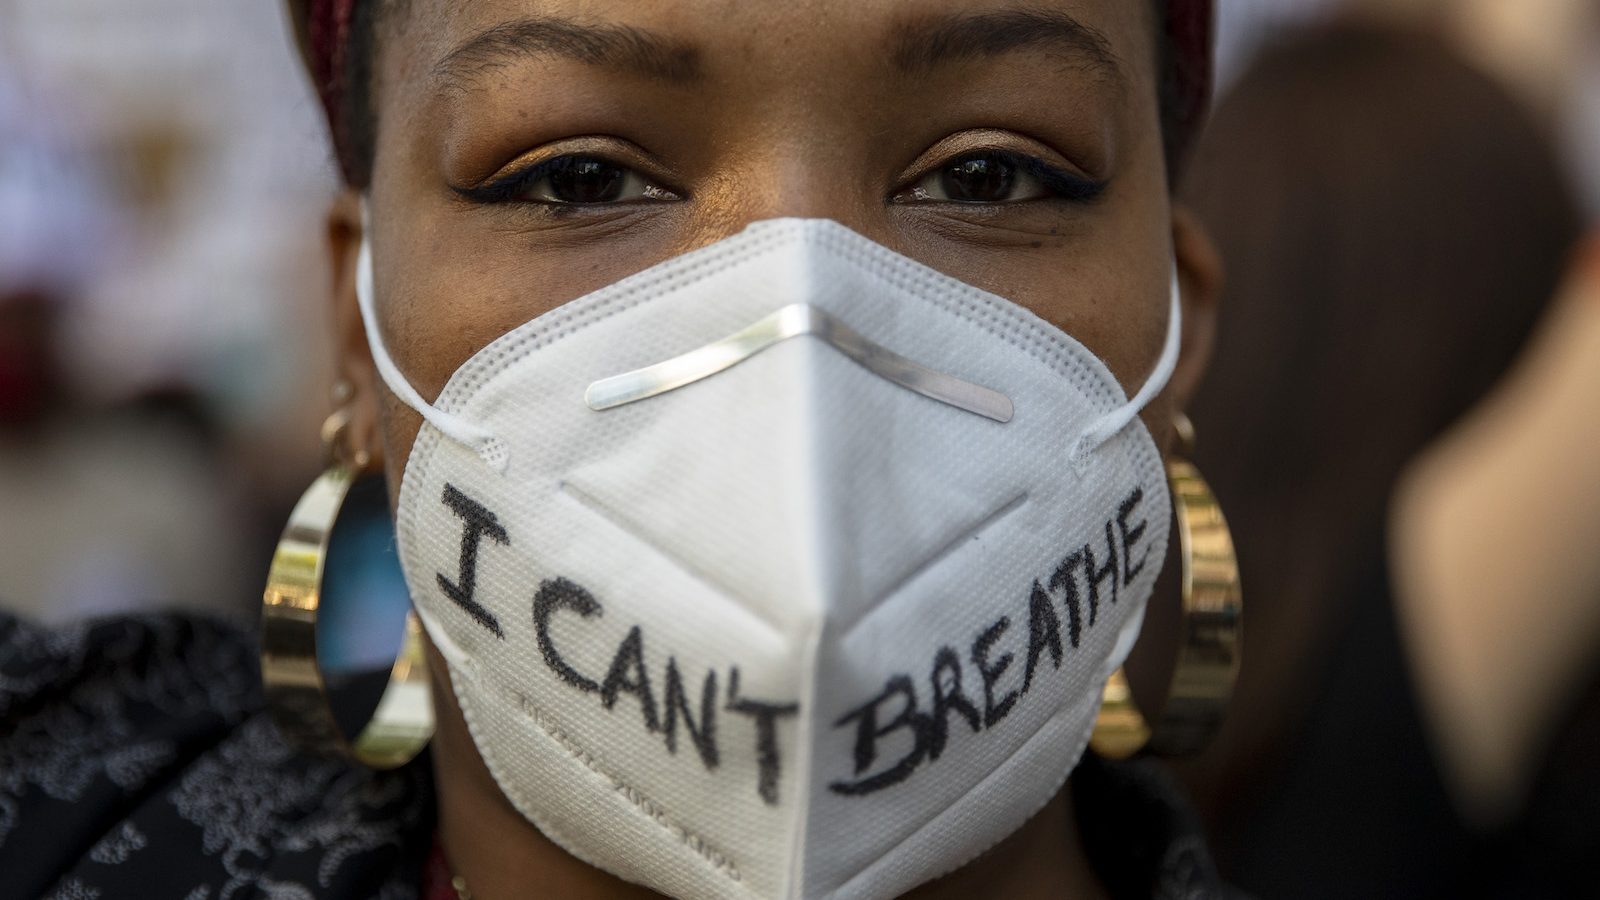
(352, 354)
(1200, 279)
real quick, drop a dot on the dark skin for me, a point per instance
(742, 112)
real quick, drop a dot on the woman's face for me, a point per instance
(531, 151)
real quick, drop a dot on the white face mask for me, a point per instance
(820, 611)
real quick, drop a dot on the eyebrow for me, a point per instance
(924, 44)
(630, 49)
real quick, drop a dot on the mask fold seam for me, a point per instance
(947, 550)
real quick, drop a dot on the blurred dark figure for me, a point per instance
(1393, 225)
(30, 374)
(106, 505)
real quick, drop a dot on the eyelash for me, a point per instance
(1066, 185)
(1063, 185)
(508, 188)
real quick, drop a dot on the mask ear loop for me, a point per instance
(489, 448)
(1112, 423)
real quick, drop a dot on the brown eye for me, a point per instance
(995, 177)
(585, 179)
(573, 180)
(989, 178)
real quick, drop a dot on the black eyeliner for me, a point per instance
(511, 185)
(1065, 185)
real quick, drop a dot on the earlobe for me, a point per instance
(357, 377)
(1200, 279)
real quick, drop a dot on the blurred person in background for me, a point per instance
(833, 623)
(1547, 52)
(1393, 226)
(192, 329)
(1494, 535)
(104, 506)
(50, 225)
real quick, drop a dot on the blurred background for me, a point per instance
(163, 173)
(1400, 422)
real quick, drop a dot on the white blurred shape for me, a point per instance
(52, 216)
(1243, 26)
(200, 108)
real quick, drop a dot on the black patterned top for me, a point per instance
(136, 760)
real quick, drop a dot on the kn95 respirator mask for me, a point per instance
(787, 568)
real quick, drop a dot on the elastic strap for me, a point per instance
(1108, 426)
(476, 438)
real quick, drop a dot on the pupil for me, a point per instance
(979, 179)
(586, 180)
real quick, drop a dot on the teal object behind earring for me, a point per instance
(342, 660)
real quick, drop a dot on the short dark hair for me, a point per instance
(360, 120)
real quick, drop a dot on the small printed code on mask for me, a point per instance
(969, 687)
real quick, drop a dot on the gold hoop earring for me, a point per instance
(345, 511)
(1213, 614)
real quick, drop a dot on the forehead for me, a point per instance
(446, 43)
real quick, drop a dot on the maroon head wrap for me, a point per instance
(323, 27)
(1186, 84)
(324, 31)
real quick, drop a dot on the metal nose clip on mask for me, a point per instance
(787, 568)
